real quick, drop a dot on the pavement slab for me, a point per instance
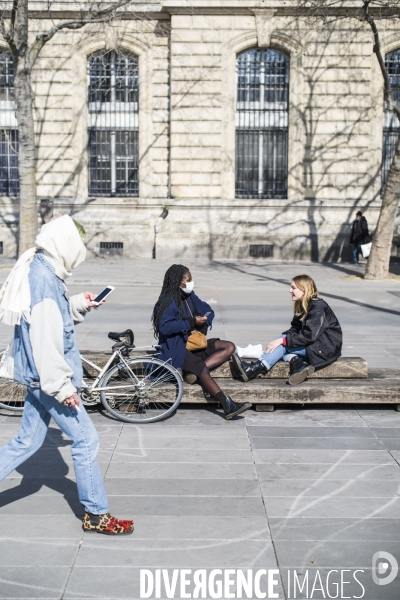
(33, 582)
(336, 529)
(325, 472)
(194, 554)
(211, 470)
(301, 456)
(348, 488)
(321, 507)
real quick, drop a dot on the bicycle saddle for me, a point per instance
(127, 337)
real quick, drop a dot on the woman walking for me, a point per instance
(46, 359)
(177, 315)
(313, 341)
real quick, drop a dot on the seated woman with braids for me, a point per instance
(178, 312)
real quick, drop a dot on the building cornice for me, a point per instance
(164, 8)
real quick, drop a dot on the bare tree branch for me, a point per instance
(8, 34)
(3, 29)
(378, 53)
(101, 16)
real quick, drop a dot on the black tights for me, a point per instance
(223, 352)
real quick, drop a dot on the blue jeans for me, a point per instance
(269, 359)
(356, 252)
(77, 425)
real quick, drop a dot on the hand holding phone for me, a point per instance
(103, 295)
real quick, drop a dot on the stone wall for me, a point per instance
(335, 134)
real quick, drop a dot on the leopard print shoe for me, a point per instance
(106, 524)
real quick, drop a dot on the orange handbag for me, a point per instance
(196, 340)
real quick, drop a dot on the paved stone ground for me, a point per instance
(307, 489)
(314, 489)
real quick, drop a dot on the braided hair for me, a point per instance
(171, 290)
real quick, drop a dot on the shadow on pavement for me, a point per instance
(38, 471)
(285, 282)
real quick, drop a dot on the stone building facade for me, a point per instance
(186, 117)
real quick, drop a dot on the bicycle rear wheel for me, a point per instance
(12, 395)
(149, 391)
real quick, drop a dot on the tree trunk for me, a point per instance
(28, 214)
(379, 259)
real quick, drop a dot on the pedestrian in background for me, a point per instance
(359, 235)
(46, 359)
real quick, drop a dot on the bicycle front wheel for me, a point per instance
(12, 395)
(149, 390)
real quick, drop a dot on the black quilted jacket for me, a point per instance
(320, 333)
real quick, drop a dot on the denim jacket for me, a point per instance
(45, 286)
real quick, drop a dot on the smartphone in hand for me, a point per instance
(104, 294)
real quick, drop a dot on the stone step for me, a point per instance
(344, 368)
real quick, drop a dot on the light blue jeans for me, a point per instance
(269, 359)
(77, 425)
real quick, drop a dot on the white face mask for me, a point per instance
(189, 287)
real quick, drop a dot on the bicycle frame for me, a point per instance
(103, 371)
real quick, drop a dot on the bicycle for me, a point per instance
(143, 389)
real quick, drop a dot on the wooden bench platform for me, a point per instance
(348, 381)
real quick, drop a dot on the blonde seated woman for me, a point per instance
(313, 341)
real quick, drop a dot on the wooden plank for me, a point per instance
(344, 368)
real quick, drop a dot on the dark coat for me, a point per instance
(174, 331)
(359, 232)
(320, 333)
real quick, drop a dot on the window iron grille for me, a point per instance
(262, 124)
(9, 183)
(6, 77)
(113, 123)
(112, 248)
(391, 124)
(1, 247)
(261, 250)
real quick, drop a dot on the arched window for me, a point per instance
(391, 124)
(262, 124)
(9, 184)
(113, 96)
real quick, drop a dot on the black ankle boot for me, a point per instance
(248, 370)
(299, 371)
(231, 408)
